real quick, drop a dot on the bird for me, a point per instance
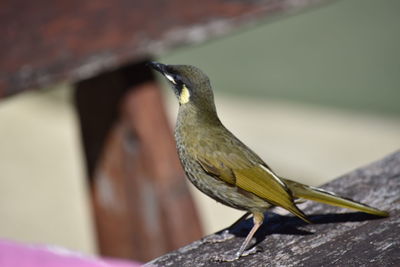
(221, 166)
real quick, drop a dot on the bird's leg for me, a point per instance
(225, 234)
(258, 218)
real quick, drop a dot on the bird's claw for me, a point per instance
(251, 251)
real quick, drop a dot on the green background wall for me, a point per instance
(345, 54)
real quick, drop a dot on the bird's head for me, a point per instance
(189, 83)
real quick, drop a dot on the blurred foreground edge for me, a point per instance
(47, 42)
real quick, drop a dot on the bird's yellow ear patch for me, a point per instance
(185, 95)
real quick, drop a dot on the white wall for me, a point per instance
(43, 195)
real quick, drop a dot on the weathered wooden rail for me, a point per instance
(337, 237)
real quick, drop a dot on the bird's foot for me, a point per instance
(224, 236)
(228, 257)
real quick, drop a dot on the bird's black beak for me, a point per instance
(158, 67)
(165, 70)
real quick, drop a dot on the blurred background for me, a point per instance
(315, 94)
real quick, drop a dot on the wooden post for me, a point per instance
(141, 201)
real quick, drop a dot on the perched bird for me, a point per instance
(224, 168)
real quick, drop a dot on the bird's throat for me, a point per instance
(194, 117)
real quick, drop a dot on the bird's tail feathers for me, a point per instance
(323, 196)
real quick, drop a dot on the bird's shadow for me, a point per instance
(290, 225)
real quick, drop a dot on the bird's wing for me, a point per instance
(254, 177)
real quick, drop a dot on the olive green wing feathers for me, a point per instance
(236, 169)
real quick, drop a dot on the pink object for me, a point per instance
(19, 255)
